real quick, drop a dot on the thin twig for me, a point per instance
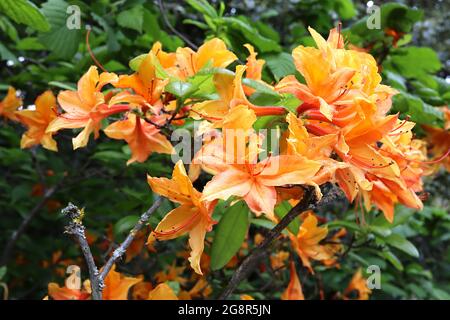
(25, 222)
(254, 257)
(175, 31)
(129, 239)
(77, 229)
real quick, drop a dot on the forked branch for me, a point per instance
(77, 230)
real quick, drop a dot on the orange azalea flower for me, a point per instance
(37, 122)
(334, 77)
(278, 259)
(193, 216)
(212, 53)
(246, 297)
(335, 247)
(232, 110)
(118, 285)
(374, 170)
(72, 289)
(141, 290)
(173, 274)
(162, 292)
(306, 242)
(319, 148)
(144, 82)
(9, 105)
(358, 284)
(439, 143)
(200, 289)
(254, 68)
(294, 290)
(142, 137)
(242, 176)
(63, 293)
(367, 164)
(166, 59)
(86, 107)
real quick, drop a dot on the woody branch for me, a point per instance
(77, 230)
(308, 201)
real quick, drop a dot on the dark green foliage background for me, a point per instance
(38, 53)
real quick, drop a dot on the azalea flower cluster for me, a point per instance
(341, 133)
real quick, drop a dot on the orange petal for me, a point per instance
(231, 182)
(162, 292)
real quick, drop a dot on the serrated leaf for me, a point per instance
(419, 111)
(63, 42)
(280, 65)
(25, 12)
(132, 18)
(406, 60)
(229, 234)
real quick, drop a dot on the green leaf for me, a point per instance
(280, 65)
(175, 286)
(5, 54)
(392, 258)
(229, 234)
(344, 224)
(252, 35)
(419, 111)
(132, 18)
(29, 43)
(261, 88)
(345, 9)
(62, 85)
(264, 223)
(399, 16)
(111, 42)
(136, 62)
(180, 89)
(25, 12)
(203, 7)
(415, 62)
(281, 210)
(63, 42)
(380, 231)
(8, 28)
(264, 99)
(109, 156)
(125, 224)
(196, 23)
(401, 243)
(151, 25)
(2, 272)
